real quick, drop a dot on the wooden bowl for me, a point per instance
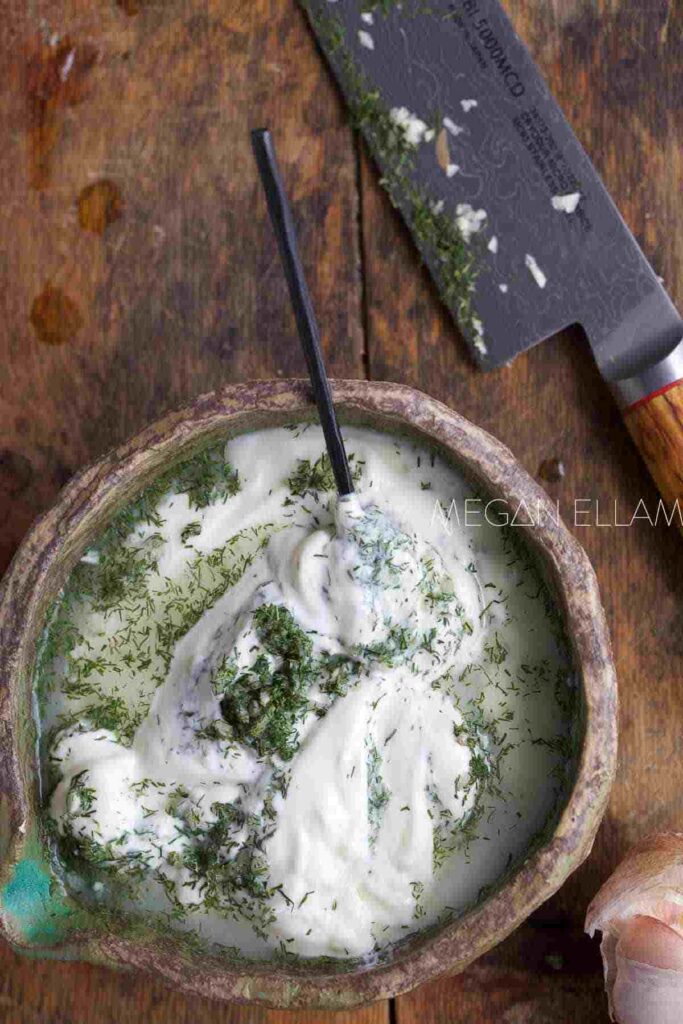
(37, 915)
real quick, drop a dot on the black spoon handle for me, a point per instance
(283, 224)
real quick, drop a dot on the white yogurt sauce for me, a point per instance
(432, 721)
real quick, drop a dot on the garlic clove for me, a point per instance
(649, 941)
(639, 911)
(646, 995)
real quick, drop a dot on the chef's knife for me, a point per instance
(509, 213)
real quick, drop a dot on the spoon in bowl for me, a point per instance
(309, 335)
(369, 533)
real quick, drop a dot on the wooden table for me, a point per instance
(137, 269)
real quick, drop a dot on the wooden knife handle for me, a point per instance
(656, 425)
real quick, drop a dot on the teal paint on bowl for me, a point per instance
(32, 904)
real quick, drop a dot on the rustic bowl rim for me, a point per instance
(236, 409)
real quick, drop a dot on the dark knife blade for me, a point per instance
(494, 140)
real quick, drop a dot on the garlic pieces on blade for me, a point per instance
(639, 911)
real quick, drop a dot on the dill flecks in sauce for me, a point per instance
(297, 725)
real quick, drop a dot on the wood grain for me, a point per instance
(543, 974)
(166, 283)
(53, 993)
(656, 426)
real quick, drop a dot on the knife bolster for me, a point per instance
(656, 425)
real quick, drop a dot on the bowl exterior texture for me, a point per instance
(39, 917)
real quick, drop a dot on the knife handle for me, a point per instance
(656, 425)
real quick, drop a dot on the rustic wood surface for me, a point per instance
(137, 269)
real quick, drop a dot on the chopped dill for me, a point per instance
(378, 793)
(205, 478)
(495, 651)
(191, 530)
(263, 704)
(317, 477)
(110, 712)
(118, 566)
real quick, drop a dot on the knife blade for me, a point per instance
(508, 212)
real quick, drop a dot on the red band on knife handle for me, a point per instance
(655, 394)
